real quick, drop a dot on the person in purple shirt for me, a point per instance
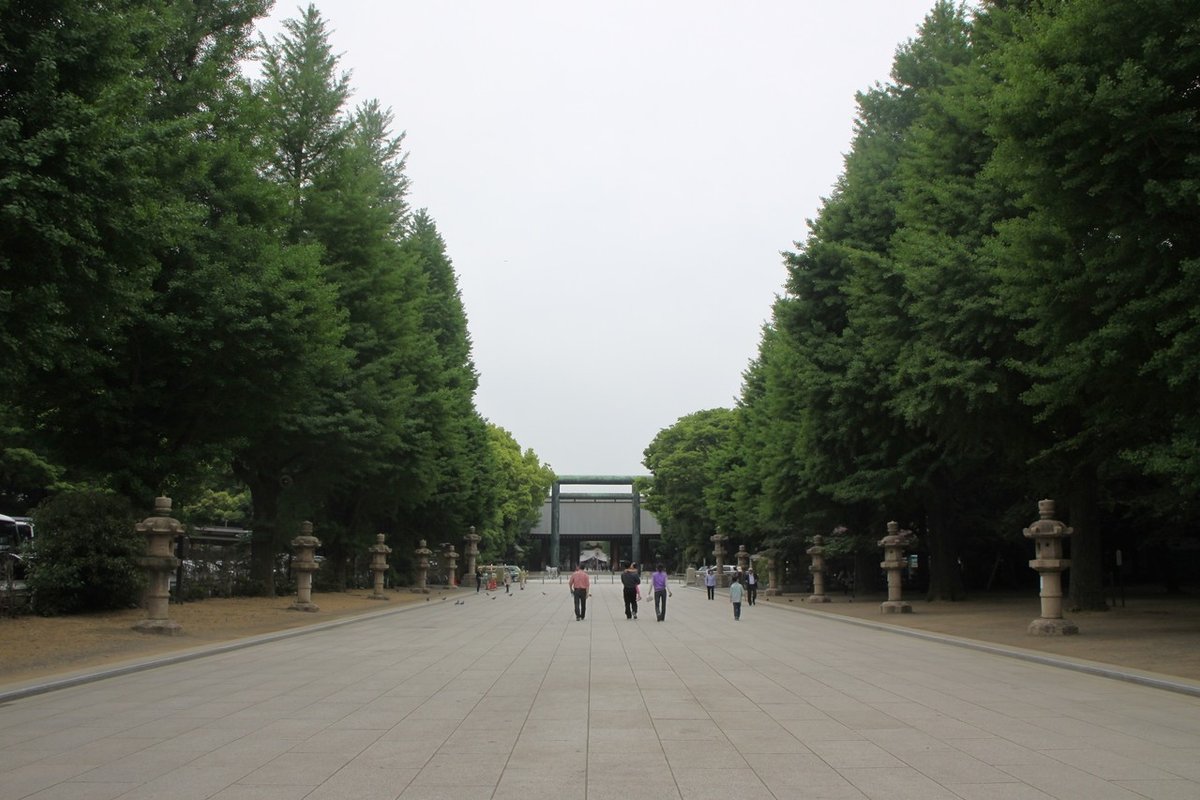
(658, 580)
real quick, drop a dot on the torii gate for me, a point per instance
(556, 494)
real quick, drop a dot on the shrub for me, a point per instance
(85, 554)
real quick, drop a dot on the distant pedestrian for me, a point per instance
(736, 593)
(658, 581)
(751, 587)
(478, 578)
(631, 581)
(580, 586)
(710, 582)
(522, 575)
(507, 579)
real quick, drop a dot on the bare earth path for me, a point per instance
(1150, 633)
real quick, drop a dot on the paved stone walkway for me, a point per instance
(509, 697)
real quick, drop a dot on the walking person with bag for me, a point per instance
(658, 582)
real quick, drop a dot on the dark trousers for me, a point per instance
(711, 591)
(580, 602)
(737, 610)
(660, 604)
(630, 602)
(751, 593)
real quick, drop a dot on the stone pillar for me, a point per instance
(743, 558)
(817, 551)
(894, 562)
(451, 556)
(159, 562)
(718, 540)
(1048, 534)
(774, 580)
(379, 566)
(423, 554)
(304, 564)
(472, 539)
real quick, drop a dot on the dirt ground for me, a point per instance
(34, 647)
(1151, 633)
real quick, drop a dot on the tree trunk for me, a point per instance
(1087, 547)
(945, 572)
(264, 498)
(866, 572)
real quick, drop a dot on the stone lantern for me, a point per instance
(743, 558)
(304, 564)
(379, 566)
(817, 551)
(718, 540)
(159, 562)
(773, 560)
(894, 562)
(472, 550)
(423, 554)
(451, 556)
(1048, 534)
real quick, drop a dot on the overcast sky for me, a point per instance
(615, 182)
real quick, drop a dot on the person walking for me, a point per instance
(658, 582)
(736, 593)
(631, 580)
(710, 582)
(580, 586)
(478, 578)
(507, 578)
(751, 587)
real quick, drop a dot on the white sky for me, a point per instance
(615, 181)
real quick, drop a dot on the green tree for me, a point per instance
(683, 460)
(1095, 124)
(85, 554)
(523, 482)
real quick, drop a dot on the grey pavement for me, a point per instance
(510, 697)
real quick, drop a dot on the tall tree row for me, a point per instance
(205, 276)
(996, 304)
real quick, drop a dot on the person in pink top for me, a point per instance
(581, 587)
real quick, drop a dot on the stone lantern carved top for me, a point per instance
(161, 521)
(818, 546)
(896, 537)
(422, 550)
(379, 546)
(1046, 526)
(306, 538)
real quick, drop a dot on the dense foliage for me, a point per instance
(997, 303)
(215, 284)
(85, 554)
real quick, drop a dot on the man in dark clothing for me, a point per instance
(630, 581)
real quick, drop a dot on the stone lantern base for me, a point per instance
(895, 607)
(379, 596)
(163, 627)
(1052, 627)
(819, 598)
(299, 606)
